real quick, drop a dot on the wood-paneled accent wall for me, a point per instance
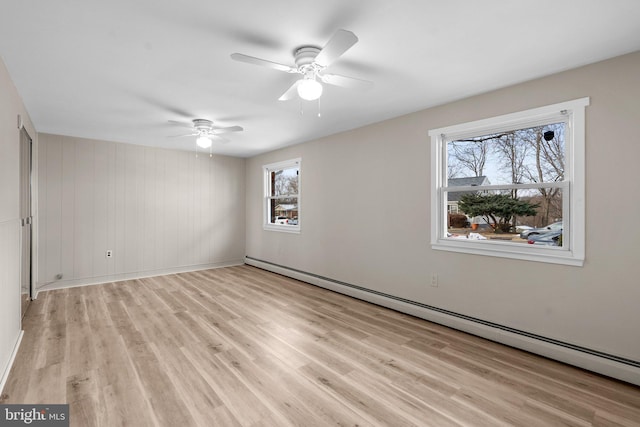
(158, 210)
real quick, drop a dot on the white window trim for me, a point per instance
(574, 185)
(266, 169)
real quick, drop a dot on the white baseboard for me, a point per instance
(584, 358)
(7, 370)
(72, 283)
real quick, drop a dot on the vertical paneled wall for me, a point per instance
(9, 221)
(158, 210)
(11, 106)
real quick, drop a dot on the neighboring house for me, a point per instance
(289, 211)
(453, 198)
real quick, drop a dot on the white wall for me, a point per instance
(10, 106)
(159, 211)
(365, 216)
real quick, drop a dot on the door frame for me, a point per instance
(26, 218)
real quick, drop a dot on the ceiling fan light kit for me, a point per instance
(309, 89)
(203, 141)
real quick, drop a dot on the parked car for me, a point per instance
(551, 227)
(293, 221)
(552, 238)
(281, 220)
(521, 228)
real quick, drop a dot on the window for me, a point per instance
(282, 196)
(518, 178)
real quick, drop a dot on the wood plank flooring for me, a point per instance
(239, 346)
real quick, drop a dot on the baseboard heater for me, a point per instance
(593, 360)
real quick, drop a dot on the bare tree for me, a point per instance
(469, 154)
(453, 168)
(513, 152)
(548, 150)
(284, 184)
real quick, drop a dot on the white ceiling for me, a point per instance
(118, 70)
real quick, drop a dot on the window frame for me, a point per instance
(266, 211)
(573, 186)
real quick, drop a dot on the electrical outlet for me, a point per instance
(109, 253)
(434, 280)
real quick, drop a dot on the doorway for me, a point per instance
(26, 220)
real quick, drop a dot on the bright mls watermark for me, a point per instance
(34, 415)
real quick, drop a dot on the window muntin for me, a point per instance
(282, 196)
(535, 156)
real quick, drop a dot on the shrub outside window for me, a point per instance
(512, 186)
(282, 196)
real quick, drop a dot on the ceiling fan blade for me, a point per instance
(220, 139)
(186, 125)
(263, 62)
(217, 131)
(344, 81)
(291, 93)
(341, 41)
(180, 136)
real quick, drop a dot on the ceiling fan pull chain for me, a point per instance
(319, 114)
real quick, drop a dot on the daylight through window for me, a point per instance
(512, 186)
(282, 196)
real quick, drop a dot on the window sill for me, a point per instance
(282, 228)
(509, 250)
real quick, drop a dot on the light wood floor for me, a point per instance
(243, 347)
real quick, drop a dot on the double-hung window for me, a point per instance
(282, 196)
(519, 180)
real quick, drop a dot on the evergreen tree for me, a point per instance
(497, 209)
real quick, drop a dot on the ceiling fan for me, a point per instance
(205, 131)
(311, 62)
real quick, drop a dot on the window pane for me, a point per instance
(284, 182)
(506, 215)
(282, 185)
(530, 155)
(284, 211)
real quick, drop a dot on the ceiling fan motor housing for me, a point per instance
(305, 56)
(203, 126)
